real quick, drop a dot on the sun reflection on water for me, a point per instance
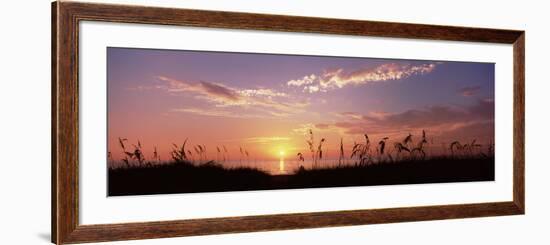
(282, 166)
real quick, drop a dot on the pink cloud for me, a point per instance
(268, 101)
(444, 121)
(322, 125)
(338, 78)
(351, 115)
(212, 91)
(469, 91)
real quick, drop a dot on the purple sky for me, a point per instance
(265, 103)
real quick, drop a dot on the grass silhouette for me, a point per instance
(367, 165)
(185, 177)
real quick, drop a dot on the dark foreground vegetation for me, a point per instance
(186, 177)
(407, 162)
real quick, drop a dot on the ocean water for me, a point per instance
(277, 167)
(284, 166)
(274, 167)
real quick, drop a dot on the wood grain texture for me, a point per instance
(65, 106)
(54, 123)
(195, 227)
(66, 124)
(234, 20)
(519, 122)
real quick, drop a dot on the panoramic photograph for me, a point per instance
(183, 121)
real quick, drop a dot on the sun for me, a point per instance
(281, 151)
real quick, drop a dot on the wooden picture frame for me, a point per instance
(65, 121)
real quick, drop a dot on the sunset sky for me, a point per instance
(266, 103)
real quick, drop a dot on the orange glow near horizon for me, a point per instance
(261, 109)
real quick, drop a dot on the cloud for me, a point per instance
(304, 81)
(322, 125)
(311, 89)
(481, 131)
(218, 90)
(266, 140)
(351, 115)
(469, 91)
(303, 129)
(260, 140)
(268, 101)
(215, 113)
(262, 92)
(212, 91)
(144, 88)
(338, 78)
(440, 120)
